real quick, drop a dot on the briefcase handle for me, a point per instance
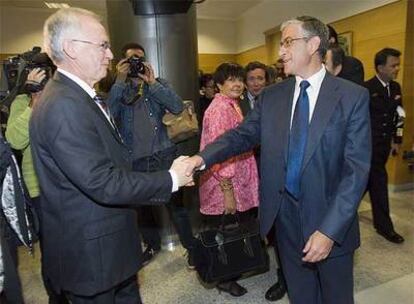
(231, 227)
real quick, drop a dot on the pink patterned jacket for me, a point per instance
(224, 114)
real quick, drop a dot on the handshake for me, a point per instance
(184, 168)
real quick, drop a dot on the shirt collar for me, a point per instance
(384, 84)
(315, 80)
(250, 96)
(90, 91)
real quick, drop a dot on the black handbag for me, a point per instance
(230, 251)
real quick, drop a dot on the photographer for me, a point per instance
(17, 134)
(138, 102)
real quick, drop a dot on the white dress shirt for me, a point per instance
(315, 82)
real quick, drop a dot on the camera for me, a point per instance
(16, 69)
(136, 66)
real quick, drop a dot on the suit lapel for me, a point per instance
(285, 115)
(325, 105)
(91, 103)
(84, 97)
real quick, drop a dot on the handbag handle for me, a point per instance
(222, 227)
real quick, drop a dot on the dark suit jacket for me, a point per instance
(245, 104)
(383, 111)
(352, 70)
(336, 162)
(90, 238)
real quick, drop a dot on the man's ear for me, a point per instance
(313, 44)
(68, 47)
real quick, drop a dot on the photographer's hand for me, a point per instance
(149, 76)
(36, 75)
(122, 69)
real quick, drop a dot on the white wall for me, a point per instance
(216, 36)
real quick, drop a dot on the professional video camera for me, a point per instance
(136, 66)
(15, 71)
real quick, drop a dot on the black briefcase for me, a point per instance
(230, 251)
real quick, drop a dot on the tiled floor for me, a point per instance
(384, 272)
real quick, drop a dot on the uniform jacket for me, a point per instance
(383, 110)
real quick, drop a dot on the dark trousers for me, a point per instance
(178, 212)
(12, 289)
(328, 281)
(125, 293)
(54, 297)
(378, 189)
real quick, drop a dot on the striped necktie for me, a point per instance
(101, 102)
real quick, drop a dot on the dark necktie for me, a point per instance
(387, 88)
(297, 141)
(101, 102)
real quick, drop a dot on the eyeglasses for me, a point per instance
(103, 46)
(287, 43)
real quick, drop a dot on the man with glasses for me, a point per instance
(314, 133)
(90, 237)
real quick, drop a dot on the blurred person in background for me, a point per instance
(207, 91)
(352, 68)
(280, 71)
(387, 119)
(334, 59)
(17, 134)
(257, 77)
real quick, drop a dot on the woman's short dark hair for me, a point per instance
(204, 79)
(132, 46)
(229, 70)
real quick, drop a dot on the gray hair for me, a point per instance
(60, 26)
(312, 27)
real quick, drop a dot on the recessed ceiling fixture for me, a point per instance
(56, 5)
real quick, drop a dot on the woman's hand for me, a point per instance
(229, 202)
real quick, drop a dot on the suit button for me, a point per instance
(384, 124)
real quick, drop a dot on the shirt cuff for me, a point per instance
(174, 178)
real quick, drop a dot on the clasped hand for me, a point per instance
(184, 167)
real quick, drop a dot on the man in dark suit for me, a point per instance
(257, 77)
(90, 238)
(387, 116)
(314, 132)
(352, 68)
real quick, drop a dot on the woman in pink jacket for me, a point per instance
(232, 186)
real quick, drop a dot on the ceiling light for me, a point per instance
(56, 5)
